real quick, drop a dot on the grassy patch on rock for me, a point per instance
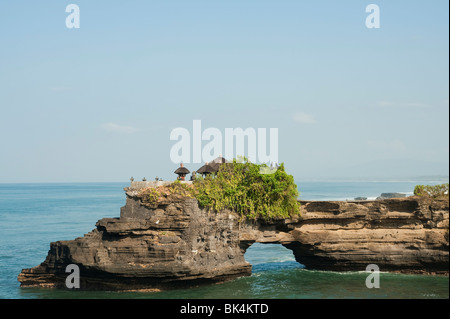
(251, 190)
(433, 191)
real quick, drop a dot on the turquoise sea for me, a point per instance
(33, 215)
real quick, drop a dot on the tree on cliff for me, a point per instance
(241, 187)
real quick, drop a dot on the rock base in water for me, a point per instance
(176, 243)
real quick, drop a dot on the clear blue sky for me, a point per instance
(98, 103)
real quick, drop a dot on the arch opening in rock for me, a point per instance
(270, 256)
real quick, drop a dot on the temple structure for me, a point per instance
(212, 167)
(182, 172)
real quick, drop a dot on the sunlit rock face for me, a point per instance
(177, 243)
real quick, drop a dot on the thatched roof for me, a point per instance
(207, 169)
(220, 160)
(182, 170)
(215, 166)
(212, 167)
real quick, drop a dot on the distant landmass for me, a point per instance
(424, 179)
(386, 170)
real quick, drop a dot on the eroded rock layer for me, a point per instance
(177, 243)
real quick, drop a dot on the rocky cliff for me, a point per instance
(177, 243)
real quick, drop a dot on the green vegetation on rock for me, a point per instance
(242, 188)
(251, 190)
(434, 191)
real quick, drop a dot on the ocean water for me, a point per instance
(33, 215)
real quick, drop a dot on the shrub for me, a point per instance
(242, 188)
(433, 191)
(238, 186)
(153, 196)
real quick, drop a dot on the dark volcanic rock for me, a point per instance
(177, 243)
(391, 195)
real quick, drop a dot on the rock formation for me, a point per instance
(390, 195)
(177, 243)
